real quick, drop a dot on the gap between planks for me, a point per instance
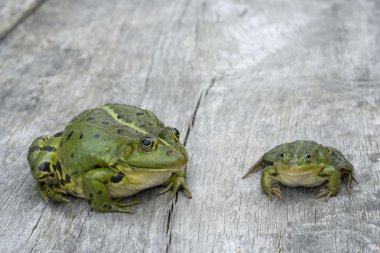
(203, 95)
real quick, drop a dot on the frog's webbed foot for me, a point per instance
(350, 180)
(47, 192)
(130, 203)
(266, 183)
(334, 182)
(176, 182)
(274, 191)
(326, 193)
(113, 206)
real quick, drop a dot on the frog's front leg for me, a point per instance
(175, 183)
(95, 190)
(270, 173)
(334, 182)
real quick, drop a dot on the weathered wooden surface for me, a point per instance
(14, 12)
(237, 78)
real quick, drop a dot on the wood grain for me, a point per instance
(236, 78)
(13, 13)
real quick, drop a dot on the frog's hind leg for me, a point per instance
(41, 158)
(348, 176)
(257, 166)
(48, 191)
(42, 155)
(95, 188)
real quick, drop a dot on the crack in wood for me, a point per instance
(169, 215)
(202, 95)
(242, 14)
(146, 83)
(169, 243)
(81, 229)
(147, 78)
(21, 20)
(6, 200)
(193, 119)
(34, 228)
(168, 226)
(38, 221)
(33, 246)
(182, 15)
(210, 86)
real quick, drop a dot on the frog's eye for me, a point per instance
(176, 132)
(283, 155)
(147, 143)
(307, 157)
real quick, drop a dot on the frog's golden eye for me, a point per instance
(283, 156)
(147, 143)
(176, 132)
(307, 157)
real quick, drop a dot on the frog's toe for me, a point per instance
(326, 193)
(58, 197)
(187, 191)
(175, 189)
(349, 188)
(274, 192)
(350, 180)
(167, 188)
(114, 207)
(277, 192)
(180, 183)
(48, 193)
(44, 196)
(125, 210)
(129, 203)
(176, 183)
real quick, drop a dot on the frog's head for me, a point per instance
(300, 156)
(158, 150)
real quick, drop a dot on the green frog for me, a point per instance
(304, 163)
(108, 153)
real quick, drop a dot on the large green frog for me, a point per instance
(108, 153)
(304, 163)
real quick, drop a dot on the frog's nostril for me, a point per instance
(170, 152)
(294, 161)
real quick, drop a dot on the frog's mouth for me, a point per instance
(300, 169)
(176, 168)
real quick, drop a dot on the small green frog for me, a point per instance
(109, 153)
(304, 163)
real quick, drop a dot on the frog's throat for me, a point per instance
(130, 168)
(300, 169)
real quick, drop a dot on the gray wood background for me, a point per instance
(237, 77)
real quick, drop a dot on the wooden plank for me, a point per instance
(236, 78)
(71, 56)
(233, 215)
(14, 12)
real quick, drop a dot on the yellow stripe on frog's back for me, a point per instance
(132, 125)
(114, 115)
